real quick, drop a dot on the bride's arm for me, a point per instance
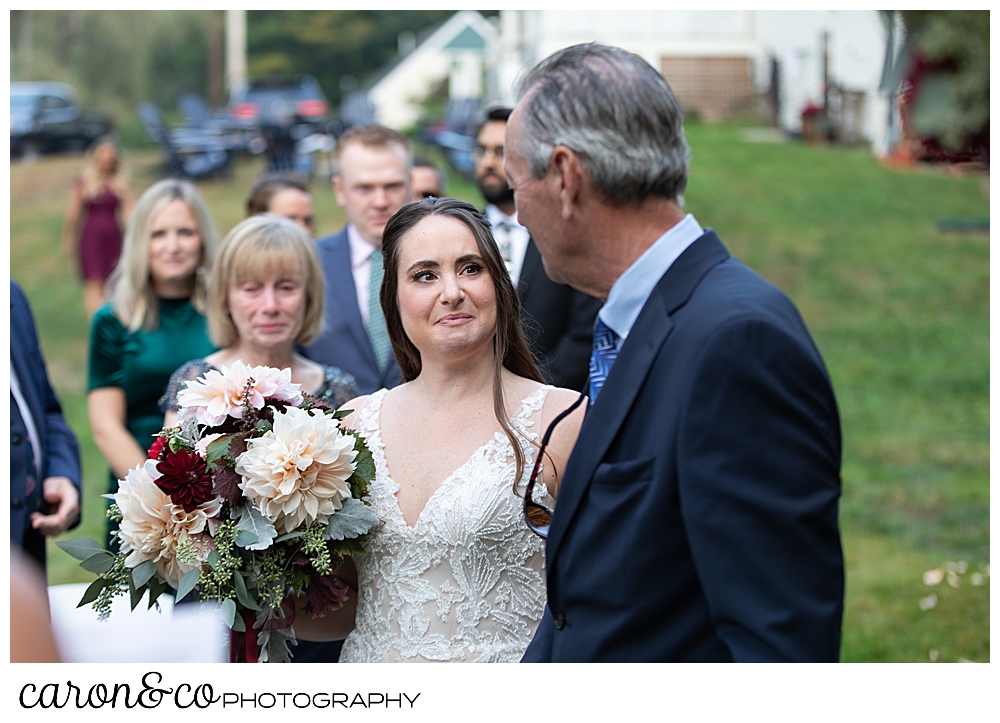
(563, 436)
(337, 624)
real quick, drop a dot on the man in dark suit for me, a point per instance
(557, 319)
(44, 456)
(371, 182)
(697, 518)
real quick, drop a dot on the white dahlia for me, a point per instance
(219, 394)
(152, 526)
(296, 474)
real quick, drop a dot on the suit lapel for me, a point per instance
(627, 376)
(343, 293)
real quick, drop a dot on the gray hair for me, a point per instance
(615, 112)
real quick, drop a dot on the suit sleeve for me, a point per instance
(759, 483)
(569, 361)
(62, 453)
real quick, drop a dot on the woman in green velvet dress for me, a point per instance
(153, 322)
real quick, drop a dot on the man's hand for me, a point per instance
(60, 492)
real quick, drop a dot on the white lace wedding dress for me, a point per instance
(466, 582)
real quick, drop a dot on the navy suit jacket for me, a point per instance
(344, 341)
(697, 520)
(558, 321)
(59, 453)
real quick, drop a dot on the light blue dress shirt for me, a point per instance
(632, 289)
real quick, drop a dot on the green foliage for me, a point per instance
(953, 97)
(337, 47)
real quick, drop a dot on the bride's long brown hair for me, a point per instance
(510, 347)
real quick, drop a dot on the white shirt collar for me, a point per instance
(361, 250)
(632, 289)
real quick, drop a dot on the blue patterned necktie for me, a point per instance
(378, 335)
(602, 357)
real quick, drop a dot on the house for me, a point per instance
(454, 52)
(722, 63)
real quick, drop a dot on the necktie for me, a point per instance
(604, 353)
(503, 241)
(378, 335)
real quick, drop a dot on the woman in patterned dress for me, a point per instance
(266, 296)
(452, 573)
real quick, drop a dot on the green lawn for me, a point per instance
(899, 311)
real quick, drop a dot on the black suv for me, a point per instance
(46, 117)
(296, 103)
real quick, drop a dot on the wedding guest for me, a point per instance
(283, 195)
(697, 519)
(266, 297)
(32, 639)
(371, 182)
(451, 573)
(45, 473)
(153, 322)
(426, 181)
(102, 200)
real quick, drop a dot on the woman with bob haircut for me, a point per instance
(266, 297)
(153, 321)
(452, 572)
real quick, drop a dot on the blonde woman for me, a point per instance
(153, 321)
(99, 205)
(266, 297)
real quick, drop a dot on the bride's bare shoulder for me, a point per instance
(353, 406)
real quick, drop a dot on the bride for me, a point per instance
(452, 572)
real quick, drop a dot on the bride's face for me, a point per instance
(447, 302)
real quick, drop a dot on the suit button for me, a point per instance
(560, 620)
(16, 439)
(16, 504)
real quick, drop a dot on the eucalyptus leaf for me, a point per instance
(229, 613)
(80, 547)
(291, 536)
(156, 588)
(341, 413)
(142, 572)
(109, 496)
(135, 593)
(187, 583)
(91, 593)
(217, 450)
(241, 593)
(99, 563)
(352, 520)
(253, 520)
(245, 538)
(214, 558)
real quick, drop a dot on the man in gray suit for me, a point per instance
(371, 182)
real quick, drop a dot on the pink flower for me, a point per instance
(220, 394)
(297, 473)
(153, 526)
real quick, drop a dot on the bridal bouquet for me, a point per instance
(255, 496)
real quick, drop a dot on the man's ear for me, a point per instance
(338, 190)
(570, 177)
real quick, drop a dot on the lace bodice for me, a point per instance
(465, 583)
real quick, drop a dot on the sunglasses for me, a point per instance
(536, 516)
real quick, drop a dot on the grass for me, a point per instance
(899, 311)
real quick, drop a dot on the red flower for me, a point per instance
(185, 478)
(158, 445)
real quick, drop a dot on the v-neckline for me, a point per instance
(388, 475)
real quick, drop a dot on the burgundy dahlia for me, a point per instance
(185, 478)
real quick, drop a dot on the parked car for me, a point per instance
(47, 118)
(285, 109)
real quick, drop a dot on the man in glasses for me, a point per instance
(557, 320)
(697, 517)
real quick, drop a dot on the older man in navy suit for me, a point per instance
(697, 518)
(372, 182)
(44, 455)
